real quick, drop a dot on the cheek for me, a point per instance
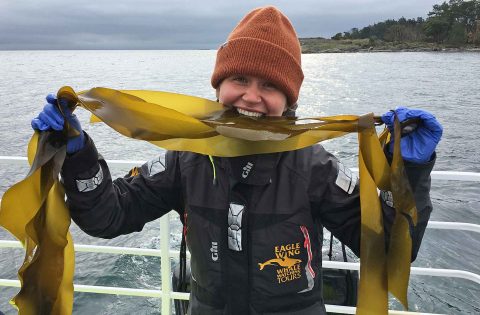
(225, 96)
(276, 111)
(277, 106)
(221, 97)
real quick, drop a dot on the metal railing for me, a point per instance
(166, 253)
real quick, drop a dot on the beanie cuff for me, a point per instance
(257, 57)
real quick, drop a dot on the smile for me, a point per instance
(248, 113)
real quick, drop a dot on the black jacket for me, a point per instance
(254, 223)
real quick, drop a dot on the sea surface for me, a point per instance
(446, 84)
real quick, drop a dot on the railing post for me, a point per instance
(165, 264)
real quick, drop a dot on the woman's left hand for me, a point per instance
(419, 144)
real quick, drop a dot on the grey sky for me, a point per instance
(181, 24)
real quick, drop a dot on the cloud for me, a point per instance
(182, 24)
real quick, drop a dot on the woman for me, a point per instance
(254, 223)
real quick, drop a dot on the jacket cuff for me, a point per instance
(419, 173)
(80, 165)
(416, 172)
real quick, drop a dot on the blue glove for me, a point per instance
(51, 118)
(418, 145)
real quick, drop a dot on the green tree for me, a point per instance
(470, 11)
(441, 10)
(337, 36)
(366, 32)
(354, 33)
(384, 28)
(457, 12)
(449, 21)
(402, 33)
(394, 33)
(457, 34)
(437, 29)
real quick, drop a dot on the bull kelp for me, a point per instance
(187, 123)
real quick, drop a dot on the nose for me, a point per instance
(252, 94)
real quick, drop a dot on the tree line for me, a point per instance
(455, 22)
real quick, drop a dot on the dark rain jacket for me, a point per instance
(254, 223)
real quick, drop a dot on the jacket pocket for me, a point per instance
(284, 260)
(203, 241)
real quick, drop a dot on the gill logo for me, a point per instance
(282, 262)
(214, 250)
(246, 169)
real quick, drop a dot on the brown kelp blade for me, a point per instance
(162, 119)
(34, 211)
(374, 173)
(136, 118)
(406, 215)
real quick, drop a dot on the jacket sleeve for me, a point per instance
(336, 201)
(420, 182)
(105, 208)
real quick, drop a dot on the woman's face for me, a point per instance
(252, 96)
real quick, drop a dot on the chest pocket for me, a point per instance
(285, 258)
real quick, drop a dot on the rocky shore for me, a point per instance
(322, 45)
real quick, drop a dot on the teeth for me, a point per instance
(247, 113)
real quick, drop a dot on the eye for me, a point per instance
(270, 85)
(240, 79)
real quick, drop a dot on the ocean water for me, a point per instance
(444, 83)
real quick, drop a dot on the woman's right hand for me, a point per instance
(50, 118)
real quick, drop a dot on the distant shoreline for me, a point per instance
(322, 45)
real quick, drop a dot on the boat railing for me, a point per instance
(165, 252)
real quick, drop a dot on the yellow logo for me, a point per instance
(282, 262)
(290, 266)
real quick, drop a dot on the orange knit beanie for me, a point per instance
(263, 44)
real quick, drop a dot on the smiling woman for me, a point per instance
(261, 214)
